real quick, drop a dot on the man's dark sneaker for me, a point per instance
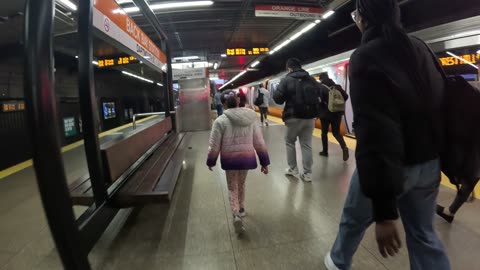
(324, 154)
(441, 213)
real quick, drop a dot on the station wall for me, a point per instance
(128, 96)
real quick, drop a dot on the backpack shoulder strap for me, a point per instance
(434, 57)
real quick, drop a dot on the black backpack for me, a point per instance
(259, 99)
(460, 153)
(307, 98)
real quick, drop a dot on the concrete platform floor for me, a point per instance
(290, 224)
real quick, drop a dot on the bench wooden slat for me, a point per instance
(153, 177)
(148, 161)
(136, 179)
(120, 156)
(168, 180)
(169, 166)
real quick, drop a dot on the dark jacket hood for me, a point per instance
(297, 74)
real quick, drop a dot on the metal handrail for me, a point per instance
(134, 122)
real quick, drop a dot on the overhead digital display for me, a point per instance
(118, 61)
(13, 106)
(246, 51)
(467, 58)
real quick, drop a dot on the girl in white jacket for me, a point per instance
(236, 136)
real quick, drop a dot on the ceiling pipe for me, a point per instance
(150, 16)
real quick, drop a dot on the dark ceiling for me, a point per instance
(208, 31)
(339, 34)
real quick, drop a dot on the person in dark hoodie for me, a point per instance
(396, 93)
(296, 126)
(334, 119)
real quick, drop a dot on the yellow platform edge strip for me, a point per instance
(26, 164)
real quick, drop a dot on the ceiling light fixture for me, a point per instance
(215, 65)
(292, 38)
(95, 63)
(223, 55)
(159, 84)
(130, 10)
(234, 78)
(318, 21)
(123, 1)
(272, 52)
(76, 56)
(283, 44)
(255, 64)
(461, 59)
(308, 27)
(181, 4)
(328, 14)
(172, 5)
(478, 51)
(69, 4)
(186, 58)
(137, 77)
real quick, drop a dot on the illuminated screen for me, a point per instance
(109, 110)
(246, 51)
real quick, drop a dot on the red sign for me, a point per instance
(293, 12)
(109, 18)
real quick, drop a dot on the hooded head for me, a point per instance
(241, 116)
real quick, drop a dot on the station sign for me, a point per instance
(117, 61)
(13, 106)
(246, 51)
(453, 61)
(110, 19)
(291, 12)
(193, 73)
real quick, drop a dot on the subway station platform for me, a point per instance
(290, 224)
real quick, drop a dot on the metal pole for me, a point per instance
(44, 133)
(88, 106)
(151, 17)
(170, 101)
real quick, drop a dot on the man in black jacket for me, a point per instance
(296, 126)
(396, 95)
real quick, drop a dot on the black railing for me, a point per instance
(44, 133)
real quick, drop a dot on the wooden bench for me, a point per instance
(142, 166)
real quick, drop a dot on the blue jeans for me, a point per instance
(219, 109)
(417, 209)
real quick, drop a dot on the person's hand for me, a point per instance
(388, 239)
(210, 168)
(264, 169)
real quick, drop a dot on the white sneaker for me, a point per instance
(329, 263)
(307, 177)
(291, 172)
(238, 225)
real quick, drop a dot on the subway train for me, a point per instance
(455, 45)
(337, 68)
